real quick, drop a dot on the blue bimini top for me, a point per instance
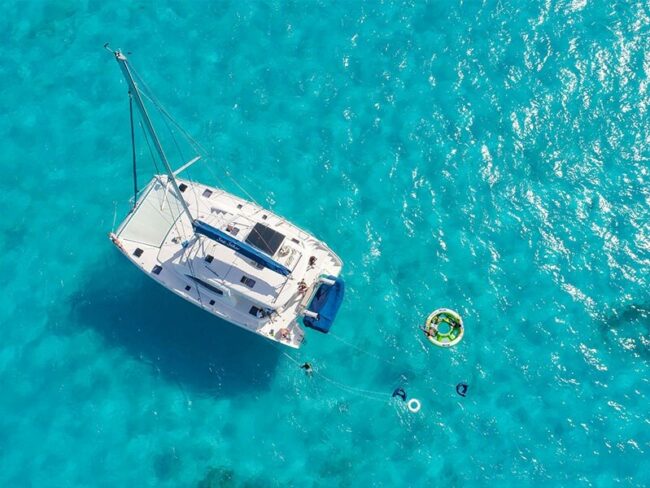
(242, 248)
(326, 303)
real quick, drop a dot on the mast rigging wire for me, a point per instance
(146, 138)
(135, 173)
(147, 93)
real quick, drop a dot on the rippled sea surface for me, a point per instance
(487, 156)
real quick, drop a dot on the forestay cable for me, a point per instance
(135, 173)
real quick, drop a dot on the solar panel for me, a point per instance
(265, 239)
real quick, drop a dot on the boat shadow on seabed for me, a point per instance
(182, 342)
(628, 327)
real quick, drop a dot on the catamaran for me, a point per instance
(227, 255)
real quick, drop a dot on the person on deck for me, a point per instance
(302, 287)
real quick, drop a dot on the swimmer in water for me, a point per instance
(308, 369)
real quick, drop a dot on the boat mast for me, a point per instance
(135, 94)
(199, 227)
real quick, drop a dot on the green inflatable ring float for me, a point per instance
(447, 338)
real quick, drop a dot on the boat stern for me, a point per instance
(324, 304)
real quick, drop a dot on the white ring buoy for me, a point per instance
(414, 405)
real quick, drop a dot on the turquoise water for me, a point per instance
(490, 157)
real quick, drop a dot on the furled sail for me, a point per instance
(238, 246)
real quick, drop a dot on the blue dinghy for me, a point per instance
(326, 303)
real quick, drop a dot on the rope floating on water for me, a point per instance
(343, 341)
(414, 405)
(369, 394)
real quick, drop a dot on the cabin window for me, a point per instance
(213, 289)
(156, 269)
(239, 205)
(209, 258)
(188, 288)
(182, 187)
(264, 217)
(249, 282)
(138, 252)
(211, 302)
(260, 313)
(207, 193)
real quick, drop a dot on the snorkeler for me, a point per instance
(308, 369)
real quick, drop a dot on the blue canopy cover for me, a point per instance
(238, 246)
(326, 303)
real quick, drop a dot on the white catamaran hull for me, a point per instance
(156, 236)
(226, 255)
